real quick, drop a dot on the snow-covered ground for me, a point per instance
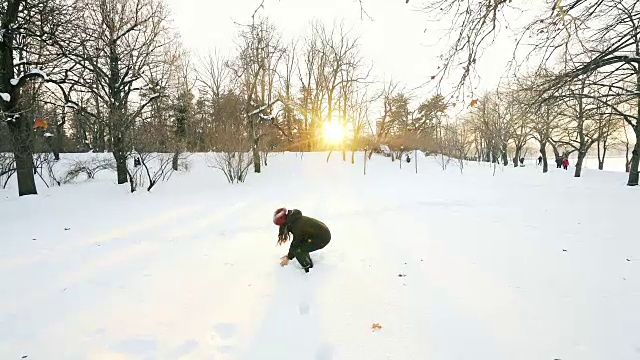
(520, 265)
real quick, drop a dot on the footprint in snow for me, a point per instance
(225, 349)
(303, 308)
(325, 352)
(225, 330)
(136, 346)
(185, 348)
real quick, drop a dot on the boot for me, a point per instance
(305, 261)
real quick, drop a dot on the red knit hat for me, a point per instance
(280, 216)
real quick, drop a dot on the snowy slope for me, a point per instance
(519, 265)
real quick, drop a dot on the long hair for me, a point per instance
(283, 234)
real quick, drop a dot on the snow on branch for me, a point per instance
(33, 73)
(258, 110)
(262, 108)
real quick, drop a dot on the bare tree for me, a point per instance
(457, 142)
(122, 44)
(386, 123)
(519, 119)
(580, 116)
(341, 73)
(30, 34)
(287, 92)
(358, 108)
(599, 39)
(260, 50)
(543, 114)
(313, 91)
(492, 127)
(212, 75)
(214, 81)
(233, 156)
(608, 125)
(183, 107)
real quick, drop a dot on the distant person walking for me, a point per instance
(565, 163)
(540, 160)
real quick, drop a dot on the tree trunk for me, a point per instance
(581, 156)
(556, 153)
(627, 162)
(59, 138)
(601, 155)
(256, 146)
(516, 156)
(364, 162)
(120, 152)
(256, 156)
(505, 160)
(121, 167)
(353, 156)
(174, 162)
(100, 143)
(57, 141)
(23, 155)
(635, 154)
(543, 153)
(635, 160)
(601, 161)
(54, 146)
(56, 149)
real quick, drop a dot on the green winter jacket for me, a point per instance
(308, 234)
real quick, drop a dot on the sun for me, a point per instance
(333, 132)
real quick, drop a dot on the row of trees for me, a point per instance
(587, 82)
(571, 120)
(109, 75)
(91, 68)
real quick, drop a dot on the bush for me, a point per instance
(88, 167)
(234, 165)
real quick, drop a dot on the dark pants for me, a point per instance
(302, 252)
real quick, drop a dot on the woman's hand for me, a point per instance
(284, 260)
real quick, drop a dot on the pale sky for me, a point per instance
(395, 41)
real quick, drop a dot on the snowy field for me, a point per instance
(519, 265)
